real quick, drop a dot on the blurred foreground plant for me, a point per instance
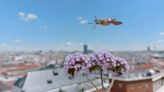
(102, 62)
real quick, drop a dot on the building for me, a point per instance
(4, 88)
(85, 49)
(52, 80)
(148, 49)
(144, 85)
(149, 81)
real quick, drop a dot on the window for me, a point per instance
(132, 86)
(49, 81)
(55, 73)
(23, 91)
(120, 85)
(81, 90)
(139, 86)
(146, 85)
(20, 82)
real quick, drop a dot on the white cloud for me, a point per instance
(69, 43)
(44, 27)
(17, 40)
(135, 43)
(69, 46)
(157, 45)
(161, 33)
(160, 41)
(3, 45)
(82, 21)
(98, 41)
(31, 16)
(27, 16)
(80, 18)
(21, 14)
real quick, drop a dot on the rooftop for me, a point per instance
(151, 74)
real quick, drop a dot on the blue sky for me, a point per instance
(62, 24)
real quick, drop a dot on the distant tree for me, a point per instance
(81, 90)
(61, 90)
(98, 61)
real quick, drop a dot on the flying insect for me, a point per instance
(106, 21)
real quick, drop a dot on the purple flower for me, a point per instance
(74, 63)
(103, 61)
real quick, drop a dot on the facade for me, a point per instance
(148, 83)
(133, 86)
(158, 83)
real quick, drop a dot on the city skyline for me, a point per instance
(63, 25)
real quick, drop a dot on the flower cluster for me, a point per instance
(121, 66)
(101, 60)
(98, 61)
(74, 63)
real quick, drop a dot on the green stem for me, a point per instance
(92, 83)
(101, 76)
(111, 84)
